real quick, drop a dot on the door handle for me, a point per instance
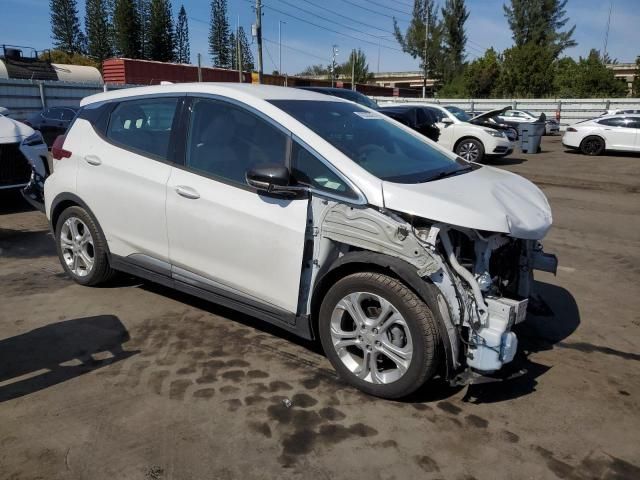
(93, 160)
(187, 192)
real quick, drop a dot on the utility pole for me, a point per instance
(606, 35)
(426, 61)
(199, 68)
(239, 50)
(334, 54)
(259, 37)
(353, 69)
(280, 22)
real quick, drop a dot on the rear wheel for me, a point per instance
(592, 146)
(81, 247)
(378, 334)
(470, 149)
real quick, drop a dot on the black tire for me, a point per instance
(470, 145)
(100, 272)
(419, 320)
(592, 145)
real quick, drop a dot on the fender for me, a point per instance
(423, 287)
(73, 198)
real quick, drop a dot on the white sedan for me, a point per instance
(611, 132)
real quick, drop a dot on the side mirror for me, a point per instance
(272, 179)
(446, 121)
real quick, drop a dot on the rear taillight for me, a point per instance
(571, 129)
(57, 152)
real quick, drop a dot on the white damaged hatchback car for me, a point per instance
(309, 212)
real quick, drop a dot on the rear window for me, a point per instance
(143, 126)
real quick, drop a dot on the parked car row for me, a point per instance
(404, 259)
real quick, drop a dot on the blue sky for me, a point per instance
(26, 22)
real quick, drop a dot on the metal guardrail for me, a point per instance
(567, 110)
(25, 97)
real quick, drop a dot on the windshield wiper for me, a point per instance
(450, 173)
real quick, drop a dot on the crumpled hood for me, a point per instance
(13, 131)
(483, 199)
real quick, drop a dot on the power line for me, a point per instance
(374, 11)
(330, 29)
(346, 17)
(390, 8)
(275, 67)
(333, 21)
(295, 49)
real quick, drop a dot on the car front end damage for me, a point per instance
(480, 282)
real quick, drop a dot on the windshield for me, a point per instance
(530, 114)
(378, 145)
(458, 113)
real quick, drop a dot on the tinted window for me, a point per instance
(67, 114)
(52, 113)
(425, 116)
(612, 122)
(378, 145)
(635, 123)
(143, 125)
(307, 169)
(225, 141)
(438, 114)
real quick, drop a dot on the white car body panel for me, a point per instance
(485, 199)
(615, 137)
(237, 238)
(141, 191)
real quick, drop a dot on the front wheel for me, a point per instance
(470, 149)
(378, 334)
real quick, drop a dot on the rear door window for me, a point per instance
(143, 126)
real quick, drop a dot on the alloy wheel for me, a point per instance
(469, 151)
(371, 337)
(77, 246)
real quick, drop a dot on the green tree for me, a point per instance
(99, 39)
(357, 59)
(540, 22)
(481, 75)
(219, 35)
(247, 57)
(126, 24)
(60, 56)
(315, 71)
(430, 52)
(233, 50)
(454, 16)
(183, 51)
(587, 78)
(65, 26)
(161, 35)
(526, 72)
(143, 8)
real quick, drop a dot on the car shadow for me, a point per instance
(11, 201)
(26, 243)
(555, 318)
(609, 153)
(58, 352)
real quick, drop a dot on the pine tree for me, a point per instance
(161, 36)
(65, 26)
(540, 22)
(413, 40)
(183, 53)
(247, 56)
(454, 16)
(126, 24)
(219, 35)
(99, 40)
(143, 8)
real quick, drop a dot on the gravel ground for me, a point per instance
(135, 381)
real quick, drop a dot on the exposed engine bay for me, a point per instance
(483, 280)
